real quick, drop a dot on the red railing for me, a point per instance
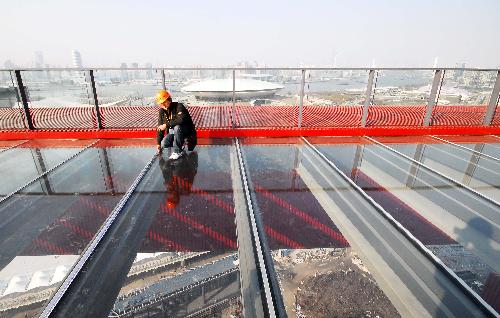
(226, 121)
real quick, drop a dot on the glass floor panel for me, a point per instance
(6, 144)
(471, 169)
(458, 226)
(181, 241)
(27, 161)
(46, 226)
(316, 268)
(181, 255)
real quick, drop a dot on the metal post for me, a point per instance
(24, 99)
(295, 169)
(234, 98)
(368, 97)
(106, 170)
(472, 165)
(492, 105)
(96, 102)
(301, 102)
(414, 168)
(163, 79)
(436, 84)
(41, 168)
(358, 159)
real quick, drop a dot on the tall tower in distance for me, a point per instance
(77, 59)
(124, 72)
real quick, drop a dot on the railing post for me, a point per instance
(368, 97)
(24, 99)
(301, 102)
(96, 102)
(163, 79)
(492, 105)
(234, 99)
(436, 84)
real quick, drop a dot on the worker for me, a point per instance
(175, 126)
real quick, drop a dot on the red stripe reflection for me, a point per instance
(303, 215)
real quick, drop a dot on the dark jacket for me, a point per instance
(177, 114)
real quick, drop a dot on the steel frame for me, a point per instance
(61, 291)
(482, 196)
(46, 172)
(493, 103)
(485, 307)
(433, 97)
(466, 149)
(272, 293)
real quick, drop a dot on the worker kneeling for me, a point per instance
(175, 121)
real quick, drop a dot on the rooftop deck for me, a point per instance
(366, 209)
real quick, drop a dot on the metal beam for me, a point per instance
(251, 291)
(492, 105)
(24, 99)
(41, 168)
(296, 163)
(419, 151)
(358, 159)
(260, 68)
(106, 169)
(472, 165)
(436, 84)
(96, 102)
(233, 124)
(466, 149)
(368, 97)
(301, 101)
(274, 302)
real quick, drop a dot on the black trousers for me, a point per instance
(180, 136)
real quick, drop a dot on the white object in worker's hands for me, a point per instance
(175, 155)
(171, 131)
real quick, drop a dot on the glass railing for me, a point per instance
(225, 98)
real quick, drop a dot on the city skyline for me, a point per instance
(321, 33)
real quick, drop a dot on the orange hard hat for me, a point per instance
(162, 96)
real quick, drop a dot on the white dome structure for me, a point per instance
(223, 89)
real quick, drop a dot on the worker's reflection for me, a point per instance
(178, 177)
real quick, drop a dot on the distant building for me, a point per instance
(135, 74)
(457, 75)
(124, 72)
(77, 59)
(5, 76)
(222, 89)
(149, 72)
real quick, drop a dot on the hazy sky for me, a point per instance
(274, 33)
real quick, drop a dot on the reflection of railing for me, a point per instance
(317, 112)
